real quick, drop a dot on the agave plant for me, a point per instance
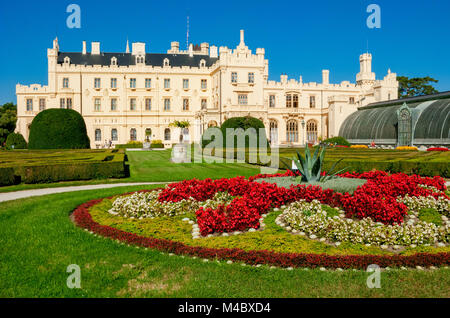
(310, 168)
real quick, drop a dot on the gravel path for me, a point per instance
(37, 192)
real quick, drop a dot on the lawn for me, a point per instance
(149, 166)
(38, 241)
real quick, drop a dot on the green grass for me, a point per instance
(430, 215)
(273, 237)
(155, 166)
(38, 241)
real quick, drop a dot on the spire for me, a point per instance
(127, 50)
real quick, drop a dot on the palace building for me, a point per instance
(127, 96)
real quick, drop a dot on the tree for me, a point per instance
(8, 118)
(417, 86)
(15, 141)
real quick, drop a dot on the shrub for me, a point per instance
(15, 141)
(131, 145)
(244, 123)
(58, 129)
(210, 131)
(359, 146)
(7, 176)
(341, 141)
(156, 144)
(406, 148)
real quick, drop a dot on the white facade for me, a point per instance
(123, 95)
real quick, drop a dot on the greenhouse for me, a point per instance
(416, 121)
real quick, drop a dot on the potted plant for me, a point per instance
(183, 125)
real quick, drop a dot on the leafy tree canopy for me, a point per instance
(416, 86)
(8, 118)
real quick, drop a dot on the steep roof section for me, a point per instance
(127, 59)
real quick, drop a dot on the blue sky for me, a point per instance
(300, 37)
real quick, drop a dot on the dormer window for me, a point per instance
(166, 62)
(140, 59)
(202, 63)
(67, 60)
(114, 61)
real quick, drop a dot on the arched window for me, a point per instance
(202, 63)
(140, 59)
(114, 61)
(114, 136)
(148, 134)
(167, 134)
(292, 131)
(166, 62)
(311, 131)
(98, 135)
(133, 135)
(404, 126)
(67, 60)
(212, 123)
(273, 133)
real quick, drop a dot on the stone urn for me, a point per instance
(181, 153)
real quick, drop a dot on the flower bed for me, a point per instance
(437, 149)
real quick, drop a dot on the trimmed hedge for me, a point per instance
(58, 129)
(15, 140)
(55, 166)
(337, 141)
(7, 176)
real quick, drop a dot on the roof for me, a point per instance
(378, 121)
(127, 59)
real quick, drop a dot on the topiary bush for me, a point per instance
(244, 123)
(58, 129)
(15, 141)
(341, 141)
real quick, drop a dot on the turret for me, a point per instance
(365, 75)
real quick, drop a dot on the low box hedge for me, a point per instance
(55, 166)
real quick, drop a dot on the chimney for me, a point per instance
(138, 48)
(204, 48)
(191, 50)
(174, 47)
(213, 51)
(84, 48)
(325, 77)
(242, 37)
(95, 48)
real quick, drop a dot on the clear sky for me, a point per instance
(300, 37)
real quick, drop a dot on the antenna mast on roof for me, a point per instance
(187, 34)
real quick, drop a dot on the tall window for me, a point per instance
(251, 78)
(185, 104)
(271, 100)
(242, 99)
(65, 82)
(97, 104)
(273, 132)
(132, 83)
(113, 104)
(295, 100)
(133, 135)
(311, 131)
(133, 104)
(113, 82)
(167, 104)
(114, 135)
(167, 134)
(148, 83)
(41, 104)
(234, 77)
(98, 135)
(404, 127)
(292, 131)
(203, 84)
(148, 104)
(288, 100)
(185, 84)
(97, 83)
(148, 133)
(312, 101)
(351, 100)
(62, 103)
(204, 103)
(166, 83)
(69, 103)
(29, 105)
